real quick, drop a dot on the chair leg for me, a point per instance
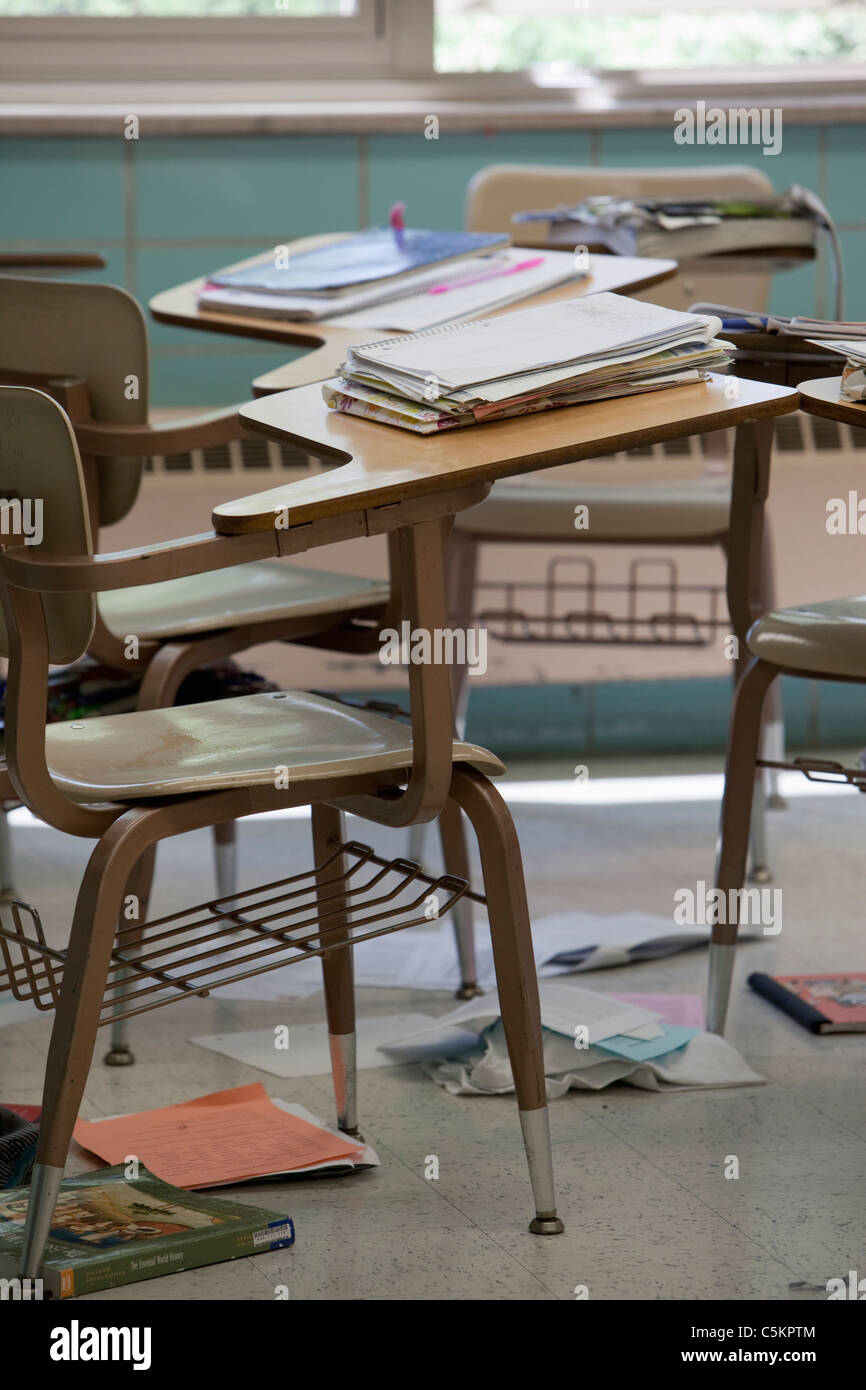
(759, 858)
(455, 852)
(120, 1053)
(516, 979)
(226, 858)
(462, 570)
(416, 839)
(773, 732)
(740, 778)
(7, 889)
(337, 967)
(73, 1037)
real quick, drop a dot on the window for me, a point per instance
(558, 35)
(240, 39)
(550, 42)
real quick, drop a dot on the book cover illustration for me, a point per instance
(109, 1214)
(111, 1229)
(840, 998)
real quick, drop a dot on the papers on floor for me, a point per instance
(535, 359)
(707, 1061)
(563, 1009)
(308, 1053)
(589, 1042)
(228, 1137)
(563, 943)
(444, 294)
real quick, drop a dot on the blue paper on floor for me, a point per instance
(642, 1049)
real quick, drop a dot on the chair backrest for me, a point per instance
(41, 483)
(97, 333)
(494, 194)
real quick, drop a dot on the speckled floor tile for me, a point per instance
(649, 1212)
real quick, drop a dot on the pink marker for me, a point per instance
(397, 221)
(487, 275)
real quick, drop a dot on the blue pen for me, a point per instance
(741, 325)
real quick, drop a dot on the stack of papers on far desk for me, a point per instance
(443, 294)
(536, 359)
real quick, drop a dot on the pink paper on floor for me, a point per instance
(684, 1009)
(230, 1136)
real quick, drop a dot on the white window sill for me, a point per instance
(461, 102)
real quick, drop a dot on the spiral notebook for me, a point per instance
(553, 355)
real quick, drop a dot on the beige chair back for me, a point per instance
(97, 333)
(41, 480)
(499, 191)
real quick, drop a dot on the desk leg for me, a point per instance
(743, 781)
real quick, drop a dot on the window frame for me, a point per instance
(386, 38)
(383, 55)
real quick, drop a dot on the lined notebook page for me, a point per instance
(547, 336)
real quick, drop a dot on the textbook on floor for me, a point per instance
(111, 1229)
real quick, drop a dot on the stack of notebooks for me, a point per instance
(394, 282)
(685, 227)
(536, 359)
(797, 326)
(853, 349)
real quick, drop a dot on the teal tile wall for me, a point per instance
(430, 176)
(54, 188)
(165, 209)
(634, 717)
(266, 187)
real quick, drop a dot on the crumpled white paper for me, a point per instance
(707, 1061)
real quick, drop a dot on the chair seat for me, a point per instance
(240, 742)
(684, 510)
(829, 637)
(263, 590)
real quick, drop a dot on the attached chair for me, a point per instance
(540, 509)
(130, 780)
(87, 346)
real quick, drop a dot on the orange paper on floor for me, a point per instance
(226, 1137)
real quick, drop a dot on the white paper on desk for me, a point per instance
(556, 338)
(308, 1053)
(412, 312)
(847, 347)
(563, 1008)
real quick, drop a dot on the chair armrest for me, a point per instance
(108, 440)
(78, 260)
(125, 569)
